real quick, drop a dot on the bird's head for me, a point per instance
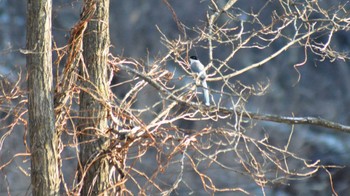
(193, 58)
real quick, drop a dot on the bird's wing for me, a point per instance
(198, 68)
(206, 93)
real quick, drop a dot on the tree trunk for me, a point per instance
(94, 166)
(43, 139)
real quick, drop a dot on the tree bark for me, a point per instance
(43, 139)
(94, 165)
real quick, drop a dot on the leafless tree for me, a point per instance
(43, 138)
(94, 166)
(159, 137)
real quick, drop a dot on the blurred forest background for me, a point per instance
(322, 91)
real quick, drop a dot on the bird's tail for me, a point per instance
(206, 93)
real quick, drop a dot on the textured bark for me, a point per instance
(43, 140)
(94, 172)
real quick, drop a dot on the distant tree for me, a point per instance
(41, 121)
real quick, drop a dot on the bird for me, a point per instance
(198, 68)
